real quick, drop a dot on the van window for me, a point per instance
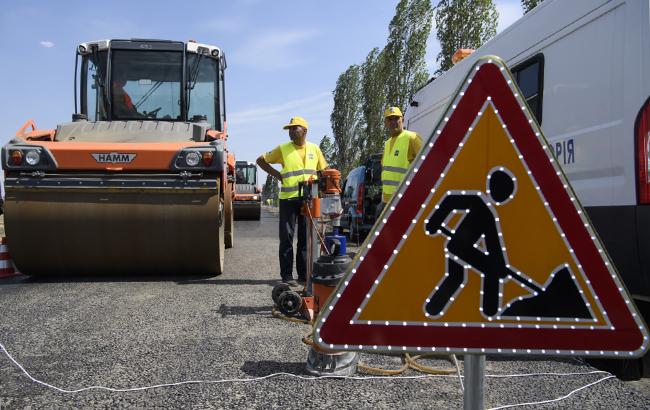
(529, 76)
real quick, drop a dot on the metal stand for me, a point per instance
(313, 251)
(474, 375)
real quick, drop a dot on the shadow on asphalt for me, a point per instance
(217, 281)
(90, 278)
(179, 279)
(267, 367)
(226, 311)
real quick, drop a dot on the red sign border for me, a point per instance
(489, 77)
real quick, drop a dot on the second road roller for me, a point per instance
(140, 181)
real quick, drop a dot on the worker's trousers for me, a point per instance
(289, 215)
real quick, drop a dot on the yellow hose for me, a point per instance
(408, 362)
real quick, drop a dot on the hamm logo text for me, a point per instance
(113, 157)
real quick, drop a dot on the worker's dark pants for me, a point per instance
(289, 214)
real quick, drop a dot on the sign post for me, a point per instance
(474, 376)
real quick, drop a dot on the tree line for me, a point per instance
(390, 76)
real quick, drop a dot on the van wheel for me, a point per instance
(353, 234)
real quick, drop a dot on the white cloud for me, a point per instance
(46, 44)
(271, 113)
(273, 50)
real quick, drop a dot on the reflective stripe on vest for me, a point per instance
(395, 162)
(294, 170)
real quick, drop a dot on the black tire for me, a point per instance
(278, 290)
(258, 215)
(289, 303)
(221, 249)
(229, 217)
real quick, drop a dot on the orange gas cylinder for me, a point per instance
(328, 271)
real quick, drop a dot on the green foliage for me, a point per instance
(346, 119)
(270, 189)
(373, 90)
(407, 43)
(327, 148)
(463, 24)
(528, 5)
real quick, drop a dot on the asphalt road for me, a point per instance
(134, 332)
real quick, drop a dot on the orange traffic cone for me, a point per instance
(7, 268)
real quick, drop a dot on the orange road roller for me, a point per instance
(140, 181)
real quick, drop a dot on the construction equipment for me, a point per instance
(248, 198)
(321, 201)
(140, 181)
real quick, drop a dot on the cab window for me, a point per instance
(529, 76)
(203, 86)
(94, 72)
(146, 84)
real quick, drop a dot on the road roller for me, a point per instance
(140, 181)
(248, 199)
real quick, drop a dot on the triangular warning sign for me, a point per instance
(484, 248)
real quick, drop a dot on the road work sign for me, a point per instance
(484, 248)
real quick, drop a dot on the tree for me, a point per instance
(528, 5)
(463, 24)
(406, 49)
(270, 189)
(373, 92)
(346, 119)
(327, 148)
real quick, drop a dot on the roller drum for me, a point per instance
(247, 210)
(68, 232)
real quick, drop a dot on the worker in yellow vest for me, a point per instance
(300, 161)
(399, 151)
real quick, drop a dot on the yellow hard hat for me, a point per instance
(296, 121)
(392, 112)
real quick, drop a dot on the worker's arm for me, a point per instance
(322, 163)
(415, 145)
(261, 162)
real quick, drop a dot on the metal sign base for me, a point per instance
(474, 375)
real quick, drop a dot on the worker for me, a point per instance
(478, 222)
(300, 161)
(123, 106)
(239, 176)
(399, 151)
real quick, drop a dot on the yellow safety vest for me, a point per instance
(294, 170)
(395, 162)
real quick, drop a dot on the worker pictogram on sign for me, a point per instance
(484, 248)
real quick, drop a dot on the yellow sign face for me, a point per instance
(532, 245)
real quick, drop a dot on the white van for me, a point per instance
(584, 68)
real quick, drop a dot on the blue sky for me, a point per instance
(283, 56)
